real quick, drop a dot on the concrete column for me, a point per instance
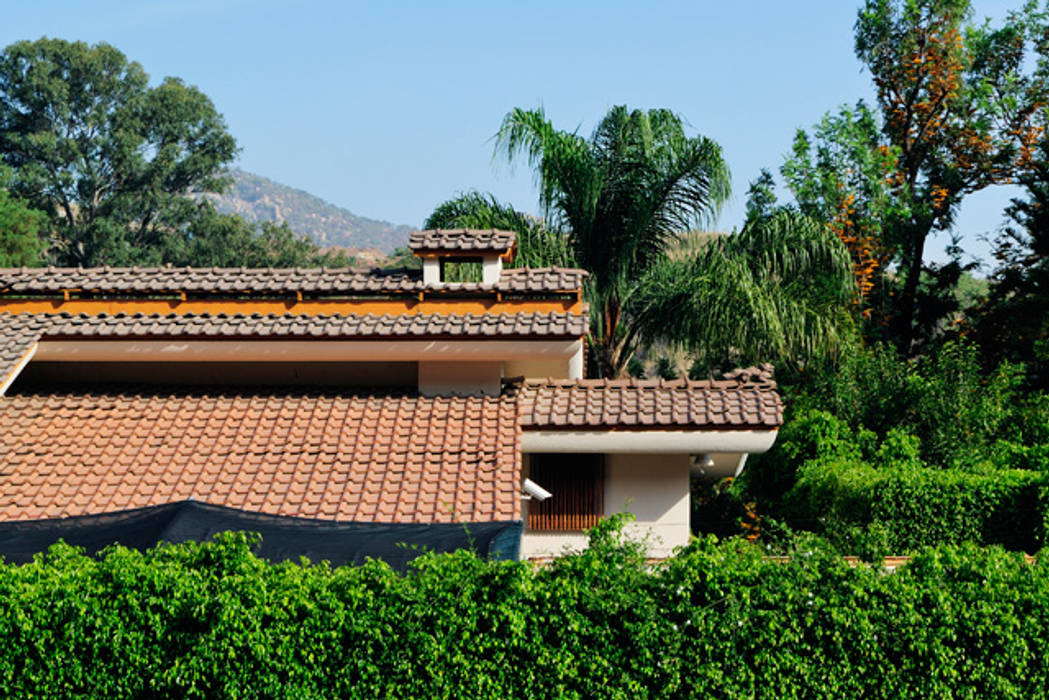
(575, 364)
(493, 267)
(431, 270)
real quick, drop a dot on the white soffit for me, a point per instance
(302, 351)
(648, 441)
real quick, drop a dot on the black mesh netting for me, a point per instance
(282, 537)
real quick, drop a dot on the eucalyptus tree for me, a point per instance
(20, 228)
(110, 159)
(624, 197)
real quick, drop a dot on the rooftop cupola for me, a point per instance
(436, 247)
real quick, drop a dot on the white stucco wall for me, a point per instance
(563, 367)
(557, 368)
(654, 487)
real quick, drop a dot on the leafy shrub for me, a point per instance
(665, 368)
(915, 506)
(807, 435)
(862, 443)
(944, 399)
(717, 620)
(827, 477)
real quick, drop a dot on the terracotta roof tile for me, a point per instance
(462, 240)
(121, 448)
(145, 281)
(18, 334)
(329, 326)
(745, 398)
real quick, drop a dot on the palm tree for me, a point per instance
(624, 196)
(538, 245)
(779, 291)
(620, 205)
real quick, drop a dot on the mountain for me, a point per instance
(258, 199)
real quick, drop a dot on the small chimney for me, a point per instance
(490, 247)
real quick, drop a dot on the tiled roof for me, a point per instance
(540, 279)
(18, 332)
(261, 281)
(744, 399)
(332, 326)
(379, 457)
(462, 240)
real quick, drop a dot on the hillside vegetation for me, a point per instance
(258, 199)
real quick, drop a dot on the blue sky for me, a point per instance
(388, 109)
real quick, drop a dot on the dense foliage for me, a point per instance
(20, 228)
(717, 620)
(109, 158)
(1013, 324)
(118, 167)
(861, 491)
(960, 107)
(958, 414)
(933, 425)
(901, 454)
(624, 197)
(226, 240)
(961, 110)
(621, 205)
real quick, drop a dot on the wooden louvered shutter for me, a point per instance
(578, 486)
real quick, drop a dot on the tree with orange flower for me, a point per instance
(844, 175)
(958, 109)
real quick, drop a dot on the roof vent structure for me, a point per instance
(490, 247)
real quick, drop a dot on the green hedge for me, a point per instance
(875, 493)
(910, 506)
(716, 621)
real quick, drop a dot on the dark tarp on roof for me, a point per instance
(283, 538)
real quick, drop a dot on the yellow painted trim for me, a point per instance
(291, 306)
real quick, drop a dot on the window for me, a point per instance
(462, 270)
(577, 482)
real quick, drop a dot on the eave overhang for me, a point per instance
(654, 441)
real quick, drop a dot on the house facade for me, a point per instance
(368, 396)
